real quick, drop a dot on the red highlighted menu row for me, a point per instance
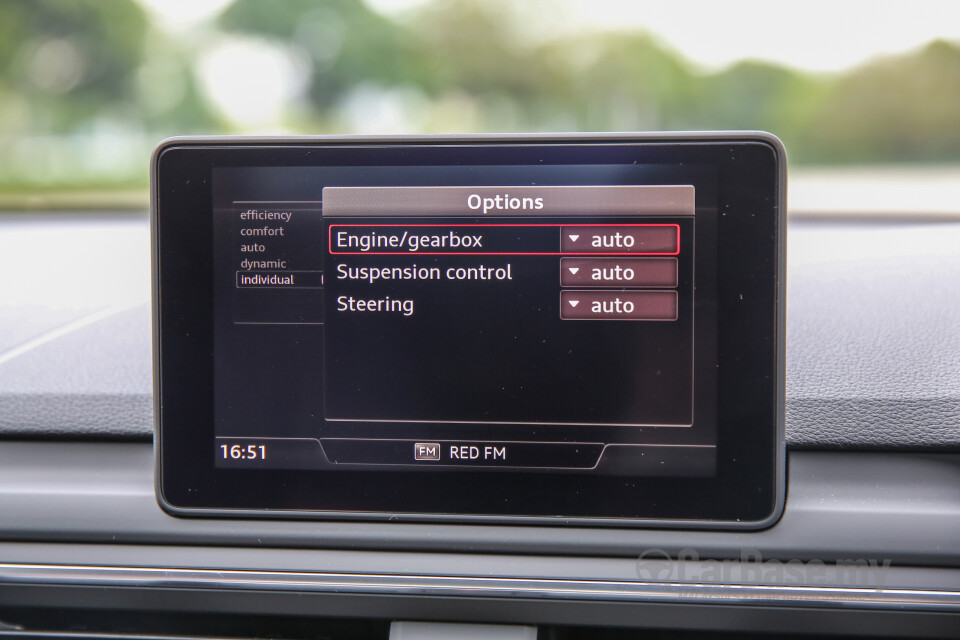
(504, 239)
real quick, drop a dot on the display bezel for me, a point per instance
(748, 490)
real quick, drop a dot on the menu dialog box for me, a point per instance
(540, 306)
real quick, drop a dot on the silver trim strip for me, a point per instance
(486, 587)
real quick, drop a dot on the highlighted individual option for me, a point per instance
(618, 272)
(618, 305)
(279, 279)
(647, 239)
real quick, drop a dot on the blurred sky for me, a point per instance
(813, 35)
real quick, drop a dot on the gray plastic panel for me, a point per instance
(447, 631)
(901, 507)
(693, 616)
(873, 359)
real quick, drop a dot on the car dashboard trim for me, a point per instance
(904, 599)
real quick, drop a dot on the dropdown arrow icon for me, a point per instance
(574, 270)
(573, 237)
(573, 303)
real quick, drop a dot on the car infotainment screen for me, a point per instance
(567, 330)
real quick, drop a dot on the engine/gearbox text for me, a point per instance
(406, 241)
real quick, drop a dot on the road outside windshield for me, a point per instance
(866, 101)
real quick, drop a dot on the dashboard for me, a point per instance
(867, 543)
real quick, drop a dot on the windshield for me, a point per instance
(857, 91)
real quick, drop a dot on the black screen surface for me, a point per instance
(495, 329)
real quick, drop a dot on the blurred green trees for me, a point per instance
(62, 63)
(70, 69)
